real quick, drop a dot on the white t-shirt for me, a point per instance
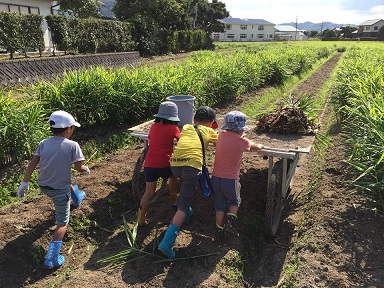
(57, 154)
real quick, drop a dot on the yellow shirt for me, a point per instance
(188, 151)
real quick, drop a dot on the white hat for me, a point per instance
(62, 119)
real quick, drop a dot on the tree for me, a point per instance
(328, 33)
(167, 14)
(311, 34)
(347, 31)
(79, 8)
(208, 14)
(175, 14)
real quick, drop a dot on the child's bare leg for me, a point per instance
(59, 233)
(173, 189)
(220, 215)
(179, 217)
(150, 188)
(233, 209)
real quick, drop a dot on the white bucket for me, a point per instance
(186, 107)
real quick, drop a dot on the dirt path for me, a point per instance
(342, 252)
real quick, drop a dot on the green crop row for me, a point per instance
(359, 99)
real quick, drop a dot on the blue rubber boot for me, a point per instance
(166, 244)
(188, 215)
(53, 259)
(77, 196)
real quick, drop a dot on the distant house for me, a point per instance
(289, 33)
(369, 28)
(239, 29)
(41, 7)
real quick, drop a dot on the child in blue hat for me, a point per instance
(230, 146)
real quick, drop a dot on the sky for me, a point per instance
(286, 11)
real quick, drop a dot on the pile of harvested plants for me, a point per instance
(288, 119)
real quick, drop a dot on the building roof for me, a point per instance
(370, 22)
(286, 28)
(244, 21)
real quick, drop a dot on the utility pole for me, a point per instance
(296, 29)
(195, 19)
(321, 27)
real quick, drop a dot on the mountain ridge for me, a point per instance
(310, 26)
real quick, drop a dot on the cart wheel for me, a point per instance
(274, 203)
(138, 180)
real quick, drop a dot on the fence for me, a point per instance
(24, 71)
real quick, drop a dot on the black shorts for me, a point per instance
(153, 174)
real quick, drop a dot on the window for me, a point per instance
(243, 27)
(251, 35)
(19, 8)
(243, 36)
(260, 36)
(261, 27)
(4, 7)
(24, 10)
(35, 10)
(231, 36)
(375, 28)
(270, 36)
(367, 28)
(228, 27)
(13, 8)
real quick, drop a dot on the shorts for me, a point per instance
(153, 174)
(188, 185)
(61, 201)
(227, 193)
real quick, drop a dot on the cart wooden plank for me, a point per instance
(143, 127)
(288, 142)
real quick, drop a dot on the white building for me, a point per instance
(289, 33)
(370, 28)
(238, 29)
(41, 7)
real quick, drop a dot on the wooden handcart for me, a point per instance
(283, 155)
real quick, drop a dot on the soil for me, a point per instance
(330, 233)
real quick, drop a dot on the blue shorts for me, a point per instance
(153, 174)
(61, 201)
(188, 185)
(227, 193)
